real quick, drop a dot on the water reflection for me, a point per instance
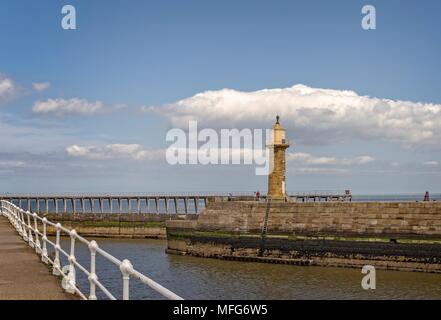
(197, 278)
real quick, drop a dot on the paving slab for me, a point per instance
(22, 274)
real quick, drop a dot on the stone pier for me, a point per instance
(389, 235)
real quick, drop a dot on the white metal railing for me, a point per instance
(26, 224)
(190, 194)
(320, 193)
(176, 194)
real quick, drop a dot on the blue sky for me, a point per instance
(126, 55)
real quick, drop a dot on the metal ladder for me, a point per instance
(264, 229)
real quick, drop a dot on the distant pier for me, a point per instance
(147, 203)
(108, 203)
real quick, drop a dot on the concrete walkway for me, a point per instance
(22, 274)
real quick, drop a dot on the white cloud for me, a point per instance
(71, 106)
(11, 164)
(115, 151)
(313, 115)
(41, 86)
(431, 163)
(315, 170)
(8, 89)
(309, 159)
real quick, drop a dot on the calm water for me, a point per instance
(198, 278)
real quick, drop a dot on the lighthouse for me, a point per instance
(276, 178)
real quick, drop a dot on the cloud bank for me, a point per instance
(312, 115)
(309, 159)
(115, 151)
(71, 106)
(138, 152)
(431, 163)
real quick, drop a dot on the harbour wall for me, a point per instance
(150, 226)
(388, 235)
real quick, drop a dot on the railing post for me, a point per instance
(24, 233)
(44, 256)
(126, 270)
(57, 266)
(37, 241)
(19, 225)
(14, 216)
(30, 238)
(17, 219)
(71, 278)
(92, 277)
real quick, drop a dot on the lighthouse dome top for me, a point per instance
(277, 125)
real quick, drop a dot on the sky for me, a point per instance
(88, 110)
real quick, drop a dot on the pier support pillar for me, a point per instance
(157, 205)
(74, 206)
(176, 200)
(196, 205)
(186, 206)
(166, 205)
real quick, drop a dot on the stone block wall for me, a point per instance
(401, 219)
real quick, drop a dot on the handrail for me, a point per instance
(162, 194)
(26, 224)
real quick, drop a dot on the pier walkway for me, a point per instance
(22, 274)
